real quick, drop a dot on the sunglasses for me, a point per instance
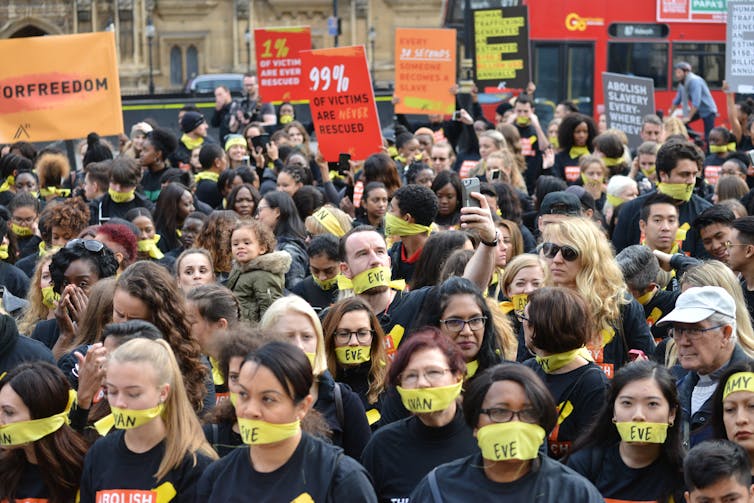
(91, 245)
(550, 250)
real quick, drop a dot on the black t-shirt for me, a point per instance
(400, 316)
(319, 299)
(617, 482)
(111, 469)
(400, 269)
(104, 209)
(566, 168)
(402, 453)
(316, 469)
(207, 192)
(150, 183)
(222, 438)
(661, 304)
(30, 486)
(16, 349)
(749, 297)
(532, 152)
(579, 395)
(47, 332)
(464, 480)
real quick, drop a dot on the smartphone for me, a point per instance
(260, 141)
(494, 174)
(470, 185)
(344, 164)
(750, 153)
(457, 115)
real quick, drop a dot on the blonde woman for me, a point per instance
(293, 320)
(41, 296)
(580, 258)
(158, 446)
(328, 219)
(524, 274)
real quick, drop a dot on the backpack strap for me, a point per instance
(433, 487)
(338, 395)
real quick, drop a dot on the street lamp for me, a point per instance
(150, 34)
(247, 36)
(372, 37)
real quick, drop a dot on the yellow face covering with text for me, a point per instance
(256, 432)
(149, 246)
(24, 432)
(122, 197)
(395, 226)
(424, 400)
(20, 230)
(371, 278)
(646, 433)
(557, 361)
(511, 440)
(678, 191)
(126, 419)
(353, 355)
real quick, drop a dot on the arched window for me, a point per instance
(176, 66)
(192, 62)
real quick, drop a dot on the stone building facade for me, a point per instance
(209, 36)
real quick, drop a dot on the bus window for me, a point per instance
(642, 59)
(563, 71)
(706, 58)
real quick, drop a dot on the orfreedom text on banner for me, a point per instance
(59, 87)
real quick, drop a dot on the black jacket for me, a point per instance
(15, 348)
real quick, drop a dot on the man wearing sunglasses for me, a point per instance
(704, 330)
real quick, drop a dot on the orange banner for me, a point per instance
(342, 102)
(59, 87)
(279, 62)
(425, 71)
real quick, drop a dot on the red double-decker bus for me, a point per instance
(573, 41)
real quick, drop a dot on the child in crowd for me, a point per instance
(258, 273)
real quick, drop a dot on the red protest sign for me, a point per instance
(425, 71)
(342, 102)
(279, 62)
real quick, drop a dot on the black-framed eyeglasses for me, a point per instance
(569, 253)
(501, 415)
(91, 245)
(457, 324)
(363, 335)
(692, 333)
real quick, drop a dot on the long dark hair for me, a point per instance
(288, 364)
(289, 222)
(166, 222)
(490, 351)
(604, 433)
(436, 251)
(158, 290)
(60, 455)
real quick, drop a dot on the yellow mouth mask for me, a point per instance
(649, 433)
(371, 278)
(256, 432)
(353, 355)
(423, 400)
(20, 230)
(126, 419)
(678, 191)
(395, 226)
(4, 252)
(122, 197)
(149, 246)
(557, 361)
(511, 440)
(24, 432)
(49, 296)
(327, 284)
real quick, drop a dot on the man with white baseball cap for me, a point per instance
(704, 333)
